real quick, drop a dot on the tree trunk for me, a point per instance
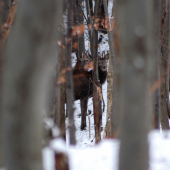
(6, 5)
(60, 99)
(59, 111)
(154, 50)
(80, 22)
(110, 75)
(69, 75)
(89, 22)
(164, 66)
(135, 73)
(30, 53)
(107, 133)
(117, 108)
(1, 66)
(96, 101)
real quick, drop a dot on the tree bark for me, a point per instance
(96, 101)
(1, 66)
(89, 22)
(135, 73)
(30, 53)
(80, 22)
(164, 66)
(117, 108)
(59, 117)
(154, 50)
(69, 74)
(108, 132)
(6, 5)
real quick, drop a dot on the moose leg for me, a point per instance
(83, 112)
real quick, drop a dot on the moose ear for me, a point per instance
(106, 56)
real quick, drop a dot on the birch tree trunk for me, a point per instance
(30, 53)
(135, 22)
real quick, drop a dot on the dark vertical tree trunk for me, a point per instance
(155, 12)
(117, 109)
(69, 75)
(30, 52)
(110, 73)
(59, 111)
(1, 66)
(164, 66)
(80, 18)
(60, 98)
(6, 5)
(96, 101)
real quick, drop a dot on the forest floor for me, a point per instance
(105, 154)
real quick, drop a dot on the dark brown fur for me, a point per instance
(81, 62)
(83, 86)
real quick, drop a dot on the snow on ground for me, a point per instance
(83, 137)
(105, 154)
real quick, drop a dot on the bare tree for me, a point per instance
(136, 22)
(110, 72)
(30, 53)
(6, 5)
(80, 20)
(69, 75)
(116, 106)
(59, 116)
(96, 101)
(164, 66)
(1, 61)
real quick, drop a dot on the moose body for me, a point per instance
(83, 86)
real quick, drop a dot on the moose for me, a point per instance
(81, 63)
(83, 82)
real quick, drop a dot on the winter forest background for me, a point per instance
(84, 84)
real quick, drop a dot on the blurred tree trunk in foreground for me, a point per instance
(30, 54)
(116, 104)
(69, 74)
(6, 5)
(60, 97)
(164, 66)
(157, 53)
(136, 44)
(59, 111)
(1, 60)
